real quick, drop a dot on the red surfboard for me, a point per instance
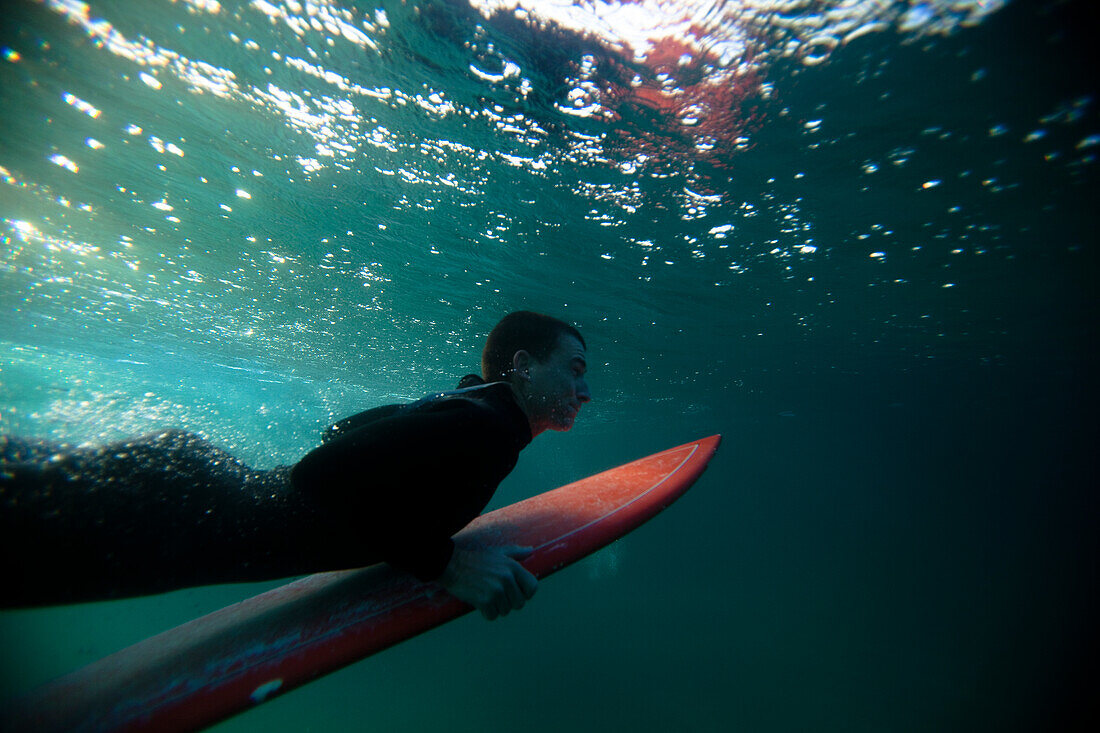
(228, 661)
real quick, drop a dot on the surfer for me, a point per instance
(391, 484)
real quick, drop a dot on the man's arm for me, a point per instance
(406, 483)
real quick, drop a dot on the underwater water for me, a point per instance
(857, 238)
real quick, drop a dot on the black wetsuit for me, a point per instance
(170, 510)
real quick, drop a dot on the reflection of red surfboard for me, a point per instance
(223, 663)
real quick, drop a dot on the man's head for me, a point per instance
(543, 358)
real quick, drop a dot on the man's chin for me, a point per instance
(563, 425)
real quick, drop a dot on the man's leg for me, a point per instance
(134, 517)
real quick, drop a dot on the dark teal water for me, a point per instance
(871, 270)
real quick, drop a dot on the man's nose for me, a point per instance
(583, 394)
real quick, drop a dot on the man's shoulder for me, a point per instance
(480, 399)
(480, 414)
(484, 399)
(358, 420)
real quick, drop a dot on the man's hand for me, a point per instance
(491, 580)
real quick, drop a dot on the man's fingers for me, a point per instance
(527, 582)
(514, 592)
(517, 552)
(505, 599)
(516, 588)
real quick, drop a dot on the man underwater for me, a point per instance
(392, 484)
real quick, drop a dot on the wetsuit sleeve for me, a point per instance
(402, 485)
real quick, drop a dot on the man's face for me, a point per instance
(557, 385)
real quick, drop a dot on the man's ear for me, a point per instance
(521, 365)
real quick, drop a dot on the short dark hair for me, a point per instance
(534, 333)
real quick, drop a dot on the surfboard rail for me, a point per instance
(215, 666)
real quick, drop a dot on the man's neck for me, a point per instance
(521, 400)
